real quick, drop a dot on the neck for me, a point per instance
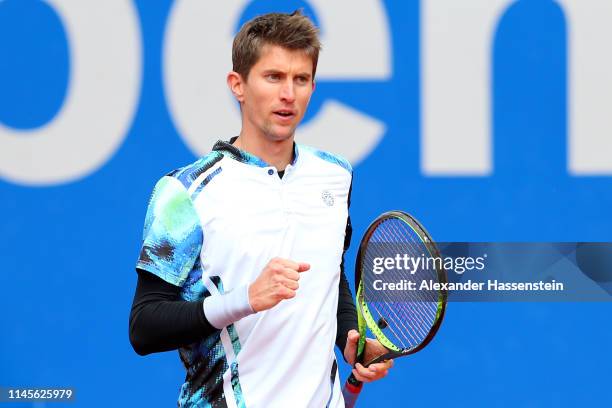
(277, 153)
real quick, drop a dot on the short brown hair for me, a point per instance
(292, 31)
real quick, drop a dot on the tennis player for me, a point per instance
(241, 267)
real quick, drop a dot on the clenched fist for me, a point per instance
(277, 281)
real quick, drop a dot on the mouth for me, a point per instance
(285, 115)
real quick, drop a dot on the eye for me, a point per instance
(302, 80)
(273, 77)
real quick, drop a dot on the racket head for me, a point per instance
(404, 322)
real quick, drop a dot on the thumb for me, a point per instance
(353, 336)
(303, 267)
(350, 350)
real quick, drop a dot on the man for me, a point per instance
(241, 263)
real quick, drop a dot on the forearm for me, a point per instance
(346, 315)
(161, 321)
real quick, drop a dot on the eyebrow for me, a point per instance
(272, 71)
(276, 71)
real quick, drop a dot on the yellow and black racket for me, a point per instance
(403, 321)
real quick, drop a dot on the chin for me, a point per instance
(279, 135)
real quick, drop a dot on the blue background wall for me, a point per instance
(68, 251)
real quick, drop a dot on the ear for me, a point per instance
(314, 85)
(236, 85)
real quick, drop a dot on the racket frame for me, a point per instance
(364, 317)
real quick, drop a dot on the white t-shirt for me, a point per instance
(211, 227)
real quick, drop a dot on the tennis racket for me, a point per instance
(403, 321)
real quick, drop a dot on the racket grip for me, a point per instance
(350, 391)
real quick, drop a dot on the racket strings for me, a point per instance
(392, 323)
(409, 314)
(415, 247)
(417, 299)
(419, 311)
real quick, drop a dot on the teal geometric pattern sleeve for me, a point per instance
(172, 238)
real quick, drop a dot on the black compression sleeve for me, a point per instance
(160, 320)
(346, 315)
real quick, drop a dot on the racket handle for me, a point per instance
(351, 390)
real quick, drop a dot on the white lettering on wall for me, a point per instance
(105, 53)
(590, 86)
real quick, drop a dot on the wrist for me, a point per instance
(223, 310)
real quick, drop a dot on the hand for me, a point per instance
(277, 281)
(373, 349)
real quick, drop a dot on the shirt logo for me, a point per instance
(327, 198)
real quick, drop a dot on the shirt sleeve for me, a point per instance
(172, 237)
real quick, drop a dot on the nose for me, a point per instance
(287, 92)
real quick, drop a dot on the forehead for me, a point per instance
(275, 57)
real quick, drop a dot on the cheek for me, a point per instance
(261, 101)
(304, 99)
(255, 104)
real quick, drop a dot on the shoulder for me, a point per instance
(188, 175)
(328, 157)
